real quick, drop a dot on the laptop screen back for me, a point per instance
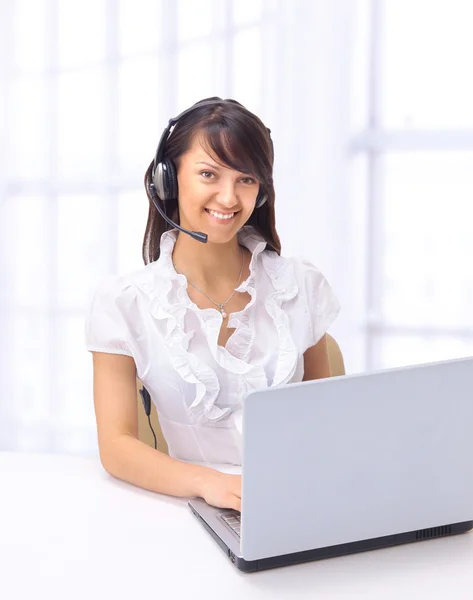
(357, 457)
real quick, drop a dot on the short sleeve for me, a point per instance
(322, 304)
(106, 324)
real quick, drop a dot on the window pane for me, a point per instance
(82, 112)
(399, 350)
(428, 216)
(27, 125)
(132, 217)
(24, 244)
(247, 71)
(84, 247)
(270, 68)
(82, 28)
(73, 366)
(140, 115)
(427, 49)
(201, 70)
(247, 11)
(139, 26)
(29, 364)
(358, 184)
(29, 37)
(360, 63)
(198, 19)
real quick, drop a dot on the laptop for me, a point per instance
(352, 463)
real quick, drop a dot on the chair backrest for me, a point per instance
(335, 356)
(144, 431)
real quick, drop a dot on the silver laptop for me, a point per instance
(351, 463)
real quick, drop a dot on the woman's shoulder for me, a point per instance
(305, 269)
(129, 284)
(290, 268)
(300, 275)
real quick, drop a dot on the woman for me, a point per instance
(203, 324)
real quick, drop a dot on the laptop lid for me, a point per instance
(344, 459)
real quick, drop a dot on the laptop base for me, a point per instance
(249, 566)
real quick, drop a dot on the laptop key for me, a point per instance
(233, 522)
(230, 519)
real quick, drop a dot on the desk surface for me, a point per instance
(69, 530)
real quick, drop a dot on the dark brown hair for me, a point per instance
(240, 141)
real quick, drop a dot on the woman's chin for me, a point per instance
(216, 232)
(220, 237)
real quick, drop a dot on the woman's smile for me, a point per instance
(221, 218)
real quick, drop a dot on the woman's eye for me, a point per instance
(248, 180)
(207, 174)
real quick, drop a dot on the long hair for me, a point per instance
(240, 141)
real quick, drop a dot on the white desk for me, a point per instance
(68, 530)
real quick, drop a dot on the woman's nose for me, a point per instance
(227, 195)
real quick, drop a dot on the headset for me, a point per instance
(164, 173)
(146, 400)
(164, 186)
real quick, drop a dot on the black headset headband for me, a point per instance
(167, 131)
(162, 142)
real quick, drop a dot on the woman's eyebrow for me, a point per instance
(202, 162)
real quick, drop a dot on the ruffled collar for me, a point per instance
(247, 236)
(170, 301)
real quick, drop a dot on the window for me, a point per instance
(83, 121)
(418, 145)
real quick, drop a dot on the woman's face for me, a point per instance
(213, 198)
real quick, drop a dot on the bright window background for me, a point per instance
(419, 148)
(374, 170)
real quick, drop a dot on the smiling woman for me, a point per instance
(237, 149)
(213, 314)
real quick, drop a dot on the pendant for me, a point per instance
(224, 314)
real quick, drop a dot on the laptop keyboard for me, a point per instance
(232, 519)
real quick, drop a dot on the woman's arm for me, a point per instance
(125, 457)
(316, 361)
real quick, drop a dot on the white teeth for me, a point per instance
(220, 216)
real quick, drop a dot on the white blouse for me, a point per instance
(198, 386)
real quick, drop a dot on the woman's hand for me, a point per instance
(221, 490)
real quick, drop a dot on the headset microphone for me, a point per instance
(197, 235)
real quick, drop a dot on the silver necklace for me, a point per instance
(221, 307)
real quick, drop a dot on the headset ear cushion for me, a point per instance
(158, 180)
(169, 180)
(260, 199)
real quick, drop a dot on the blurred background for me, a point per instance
(370, 107)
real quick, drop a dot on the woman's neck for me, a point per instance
(208, 265)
